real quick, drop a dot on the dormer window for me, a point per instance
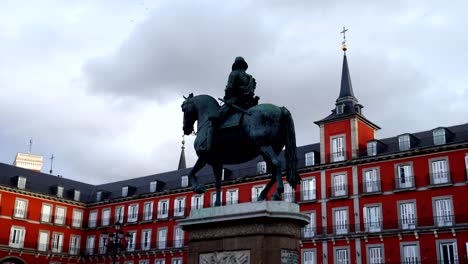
(340, 109)
(404, 142)
(21, 182)
(184, 182)
(439, 136)
(153, 186)
(372, 148)
(261, 167)
(98, 196)
(59, 191)
(124, 191)
(76, 195)
(310, 159)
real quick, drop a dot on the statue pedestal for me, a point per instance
(263, 232)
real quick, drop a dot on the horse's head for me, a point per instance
(190, 114)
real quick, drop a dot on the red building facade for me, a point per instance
(393, 200)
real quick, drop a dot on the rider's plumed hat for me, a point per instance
(239, 64)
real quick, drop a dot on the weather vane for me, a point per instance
(343, 43)
(30, 143)
(51, 162)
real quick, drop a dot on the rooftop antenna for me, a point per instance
(51, 162)
(30, 143)
(343, 43)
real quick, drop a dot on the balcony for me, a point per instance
(370, 187)
(404, 183)
(39, 248)
(339, 191)
(308, 195)
(338, 156)
(20, 214)
(289, 196)
(179, 212)
(440, 178)
(147, 216)
(163, 214)
(163, 245)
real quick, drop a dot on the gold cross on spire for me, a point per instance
(343, 43)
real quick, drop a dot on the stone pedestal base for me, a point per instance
(264, 232)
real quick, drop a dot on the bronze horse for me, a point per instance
(264, 130)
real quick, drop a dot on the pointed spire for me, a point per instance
(346, 89)
(182, 163)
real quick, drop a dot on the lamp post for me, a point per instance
(114, 240)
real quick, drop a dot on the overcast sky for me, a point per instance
(99, 83)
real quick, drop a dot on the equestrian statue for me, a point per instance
(240, 130)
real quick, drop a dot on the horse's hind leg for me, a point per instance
(198, 188)
(269, 154)
(264, 193)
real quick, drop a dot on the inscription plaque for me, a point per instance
(289, 257)
(226, 257)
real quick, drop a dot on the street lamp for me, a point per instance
(114, 240)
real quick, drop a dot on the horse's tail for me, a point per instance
(287, 124)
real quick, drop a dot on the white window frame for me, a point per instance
(21, 182)
(261, 167)
(105, 216)
(92, 218)
(310, 230)
(60, 191)
(46, 217)
(153, 186)
(255, 192)
(17, 234)
(340, 109)
(178, 237)
(132, 215)
(443, 211)
(375, 253)
(125, 191)
(177, 260)
(119, 213)
(213, 198)
(90, 244)
(148, 211)
(339, 184)
(56, 243)
(77, 218)
(179, 208)
(371, 179)
(197, 201)
(59, 218)
(372, 148)
(309, 256)
(439, 170)
(466, 164)
(98, 196)
(163, 209)
(407, 214)
(159, 261)
(184, 182)
(21, 208)
(338, 148)
(162, 238)
(341, 255)
(41, 244)
(74, 247)
(439, 136)
(404, 142)
(146, 239)
(232, 196)
(76, 195)
(452, 243)
(410, 252)
(131, 243)
(289, 194)
(308, 189)
(404, 175)
(372, 214)
(309, 158)
(341, 220)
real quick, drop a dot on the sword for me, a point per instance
(235, 106)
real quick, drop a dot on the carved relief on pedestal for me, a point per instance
(226, 257)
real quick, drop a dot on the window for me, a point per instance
(342, 256)
(310, 159)
(289, 193)
(213, 198)
(60, 213)
(131, 243)
(404, 142)
(119, 214)
(310, 229)
(90, 245)
(409, 253)
(57, 242)
(184, 182)
(60, 191)
(43, 242)
(232, 196)
(46, 213)
(309, 257)
(21, 207)
(102, 245)
(443, 211)
(17, 234)
(74, 245)
(197, 201)
(439, 136)
(178, 237)
(466, 164)
(163, 209)
(125, 191)
(371, 181)
(76, 195)
(308, 189)
(339, 185)
(98, 196)
(372, 218)
(21, 182)
(256, 190)
(340, 109)
(92, 219)
(405, 177)
(144, 261)
(148, 211)
(177, 261)
(261, 167)
(146, 239)
(337, 149)
(375, 254)
(372, 148)
(407, 211)
(105, 217)
(132, 213)
(160, 261)
(447, 252)
(341, 221)
(162, 238)
(179, 206)
(153, 186)
(77, 218)
(439, 171)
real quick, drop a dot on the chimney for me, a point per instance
(29, 161)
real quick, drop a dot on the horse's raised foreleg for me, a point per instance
(269, 154)
(218, 172)
(198, 188)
